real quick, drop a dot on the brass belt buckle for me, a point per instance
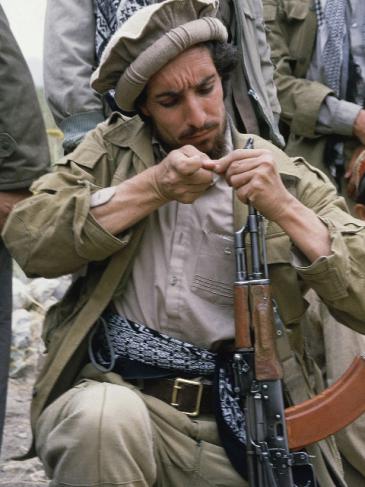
(178, 385)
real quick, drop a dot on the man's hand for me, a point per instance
(359, 126)
(7, 200)
(181, 175)
(352, 171)
(253, 174)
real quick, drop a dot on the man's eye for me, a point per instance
(170, 102)
(204, 90)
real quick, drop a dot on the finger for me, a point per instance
(221, 165)
(261, 165)
(238, 180)
(202, 176)
(190, 151)
(188, 165)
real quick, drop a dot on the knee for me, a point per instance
(84, 432)
(111, 412)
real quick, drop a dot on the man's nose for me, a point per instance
(195, 114)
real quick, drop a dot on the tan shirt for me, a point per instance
(174, 287)
(181, 282)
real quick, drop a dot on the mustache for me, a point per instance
(191, 131)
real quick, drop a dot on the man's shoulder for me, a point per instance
(120, 129)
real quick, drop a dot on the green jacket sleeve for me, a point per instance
(338, 279)
(53, 232)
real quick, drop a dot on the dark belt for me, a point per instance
(191, 397)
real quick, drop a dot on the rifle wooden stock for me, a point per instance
(267, 363)
(241, 316)
(330, 411)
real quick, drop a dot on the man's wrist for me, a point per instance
(155, 184)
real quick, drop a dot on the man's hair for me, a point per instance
(225, 59)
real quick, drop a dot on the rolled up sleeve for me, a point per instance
(339, 279)
(53, 232)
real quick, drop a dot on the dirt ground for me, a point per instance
(17, 437)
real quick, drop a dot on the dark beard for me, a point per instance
(218, 150)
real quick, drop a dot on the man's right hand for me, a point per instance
(359, 127)
(180, 175)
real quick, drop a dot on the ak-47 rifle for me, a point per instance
(256, 367)
(273, 434)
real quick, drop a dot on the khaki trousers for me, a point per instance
(104, 434)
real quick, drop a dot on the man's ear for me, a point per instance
(144, 110)
(360, 211)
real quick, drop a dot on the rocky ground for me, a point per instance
(31, 299)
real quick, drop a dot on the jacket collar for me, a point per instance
(134, 134)
(131, 133)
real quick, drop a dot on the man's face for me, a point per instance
(185, 103)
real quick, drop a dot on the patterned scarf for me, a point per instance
(331, 20)
(136, 351)
(111, 14)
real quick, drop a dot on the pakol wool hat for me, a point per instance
(151, 38)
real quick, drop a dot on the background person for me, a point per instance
(24, 156)
(319, 57)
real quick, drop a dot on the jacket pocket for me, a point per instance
(270, 12)
(215, 269)
(295, 9)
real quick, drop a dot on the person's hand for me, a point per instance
(352, 176)
(253, 174)
(181, 176)
(359, 126)
(7, 200)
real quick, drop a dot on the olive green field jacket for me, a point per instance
(53, 233)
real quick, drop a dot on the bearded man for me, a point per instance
(142, 211)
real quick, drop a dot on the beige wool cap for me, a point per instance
(151, 38)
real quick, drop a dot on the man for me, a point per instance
(24, 156)
(76, 34)
(143, 211)
(317, 49)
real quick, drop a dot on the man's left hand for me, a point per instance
(254, 175)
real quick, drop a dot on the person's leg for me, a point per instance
(5, 328)
(102, 434)
(188, 451)
(97, 434)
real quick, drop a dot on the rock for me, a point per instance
(49, 291)
(27, 346)
(31, 299)
(21, 296)
(22, 329)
